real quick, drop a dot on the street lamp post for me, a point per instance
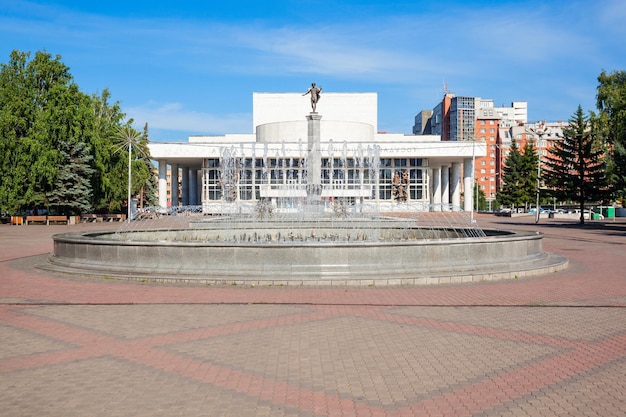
(490, 194)
(474, 208)
(538, 184)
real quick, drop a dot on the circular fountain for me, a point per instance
(313, 241)
(379, 251)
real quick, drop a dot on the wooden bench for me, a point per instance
(47, 219)
(36, 219)
(57, 219)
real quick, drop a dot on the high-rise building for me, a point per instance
(476, 119)
(462, 118)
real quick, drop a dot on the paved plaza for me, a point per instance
(552, 345)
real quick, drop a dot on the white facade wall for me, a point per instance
(329, 129)
(288, 107)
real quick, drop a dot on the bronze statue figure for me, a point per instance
(315, 95)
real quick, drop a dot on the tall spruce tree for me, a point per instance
(529, 163)
(575, 166)
(146, 180)
(72, 190)
(515, 179)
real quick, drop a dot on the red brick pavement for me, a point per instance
(552, 345)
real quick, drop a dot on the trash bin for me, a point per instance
(17, 220)
(595, 216)
(608, 212)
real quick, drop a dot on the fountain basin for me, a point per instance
(399, 256)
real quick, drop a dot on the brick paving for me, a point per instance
(552, 345)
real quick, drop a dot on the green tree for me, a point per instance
(146, 179)
(40, 107)
(108, 181)
(519, 176)
(530, 160)
(512, 192)
(575, 167)
(72, 190)
(48, 124)
(611, 103)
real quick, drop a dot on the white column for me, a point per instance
(468, 186)
(174, 185)
(455, 184)
(436, 174)
(199, 189)
(185, 183)
(162, 184)
(193, 187)
(445, 188)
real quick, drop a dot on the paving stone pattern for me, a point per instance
(553, 345)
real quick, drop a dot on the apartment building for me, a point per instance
(464, 118)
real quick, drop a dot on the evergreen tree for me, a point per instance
(72, 190)
(519, 176)
(145, 178)
(151, 188)
(529, 163)
(512, 192)
(575, 167)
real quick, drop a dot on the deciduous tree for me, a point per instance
(39, 108)
(611, 103)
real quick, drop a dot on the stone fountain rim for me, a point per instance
(94, 238)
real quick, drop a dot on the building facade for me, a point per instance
(357, 164)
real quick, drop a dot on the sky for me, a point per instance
(190, 67)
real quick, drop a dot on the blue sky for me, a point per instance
(190, 67)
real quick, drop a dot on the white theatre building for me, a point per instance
(357, 164)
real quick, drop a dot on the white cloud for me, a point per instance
(174, 117)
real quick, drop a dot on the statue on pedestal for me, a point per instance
(315, 95)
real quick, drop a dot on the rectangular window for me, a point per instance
(211, 184)
(402, 178)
